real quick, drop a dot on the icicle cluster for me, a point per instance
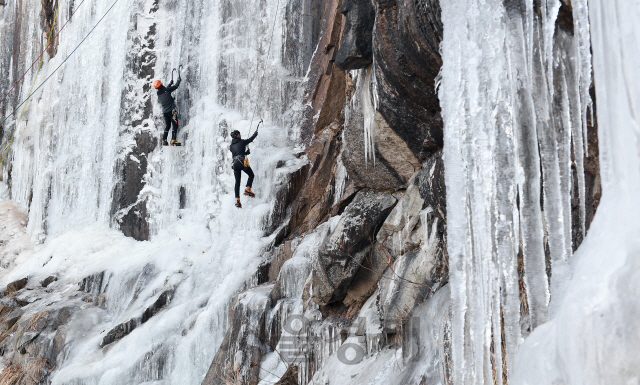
(369, 107)
(514, 96)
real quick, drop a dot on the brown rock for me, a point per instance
(48, 281)
(16, 285)
(290, 377)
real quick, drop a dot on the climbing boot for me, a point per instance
(249, 193)
(175, 143)
(238, 204)
(164, 142)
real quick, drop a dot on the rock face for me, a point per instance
(389, 163)
(341, 255)
(393, 109)
(128, 209)
(407, 60)
(356, 48)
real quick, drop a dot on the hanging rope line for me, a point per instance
(264, 68)
(184, 31)
(43, 51)
(33, 83)
(54, 71)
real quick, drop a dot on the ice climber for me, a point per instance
(240, 163)
(169, 110)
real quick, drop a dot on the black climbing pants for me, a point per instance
(169, 121)
(237, 168)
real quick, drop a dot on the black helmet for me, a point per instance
(235, 134)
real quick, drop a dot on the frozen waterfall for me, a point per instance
(97, 122)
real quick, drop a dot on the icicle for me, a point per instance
(550, 10)
(505, 70)
(582, 37)
(369, 111)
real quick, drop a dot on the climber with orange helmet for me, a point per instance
(169, 110)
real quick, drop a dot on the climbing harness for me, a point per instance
(61, 64)
(264, 69)
(238, 158)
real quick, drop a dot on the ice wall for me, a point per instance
(514, 91)
(64, 168)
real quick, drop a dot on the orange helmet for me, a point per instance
(157, 84)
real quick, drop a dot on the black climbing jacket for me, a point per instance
(165, 98)
(238, 147)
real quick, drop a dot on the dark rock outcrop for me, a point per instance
(291, 183)
(314, 203)
(49, 12)
(325, 90)
(92, 284)
(356, 48)
(406, 49)
(48, 281)
(342, 253)
(128, 209)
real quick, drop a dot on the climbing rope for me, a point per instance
(184, 31)
(54, 71)
(264, 68)
(43, 51)
(33, 83)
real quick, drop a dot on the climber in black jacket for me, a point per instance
(240, 163)
(169, 110)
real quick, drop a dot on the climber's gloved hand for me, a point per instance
(170, 83)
